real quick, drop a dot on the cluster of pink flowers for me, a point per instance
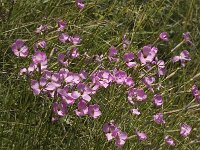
(68, 88)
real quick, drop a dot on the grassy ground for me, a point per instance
(25, 119)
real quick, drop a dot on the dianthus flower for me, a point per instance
(112, 54)
(94, 111)
(128, 58)
(158, 100)
(141, 135)
(82, 108)
(80, 4)
(196, 93)
(61, 25)
(136, 94)
(158, 118)
(164, 36)
(60, 109)
(19, 48)
(185, 130)
(169, 141)
(183, 57)
(147, 54)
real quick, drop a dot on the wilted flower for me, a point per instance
(74, 53)
(125, 42)
(169, 141)
(59, 109)
(164, 36)
(186, 37)
(158, 100)
(61, 25)
(135, 111)
(41, 29)
(183, 57)
(158, 118)
(94, 111)
(19, 48)
(80, 4)
(161, 67)
(185, 130)
(196, 93)
(141, 135)
(147, 54)
(40, 44)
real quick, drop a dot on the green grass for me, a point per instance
(25, 119)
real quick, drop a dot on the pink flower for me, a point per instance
(161, 67)
(108, 129)
(185, 130)
(148, 81)
(119, 76)
(19, 48)
(112, 54)
(129, 81)
(23, 71)
(39, 58)
(135, 111)
(80, 4)
(187, 39)
(75, 39)
(158, 118)
(147, 54)
(158, 100)
(183, 57)
(37, 87)
(164, 36)
(169, 141)
(40, 44)
(196, 93)
(82, 109)
(64, 38)
(74, 53)
(141, 135)
(61, 25)
(113, 132)
(62, 59)
(120, 138)
(102, 78)
(59, 109)
(94, 111)
(137, 94)
(128, 58)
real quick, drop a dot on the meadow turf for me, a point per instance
(25, 119)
